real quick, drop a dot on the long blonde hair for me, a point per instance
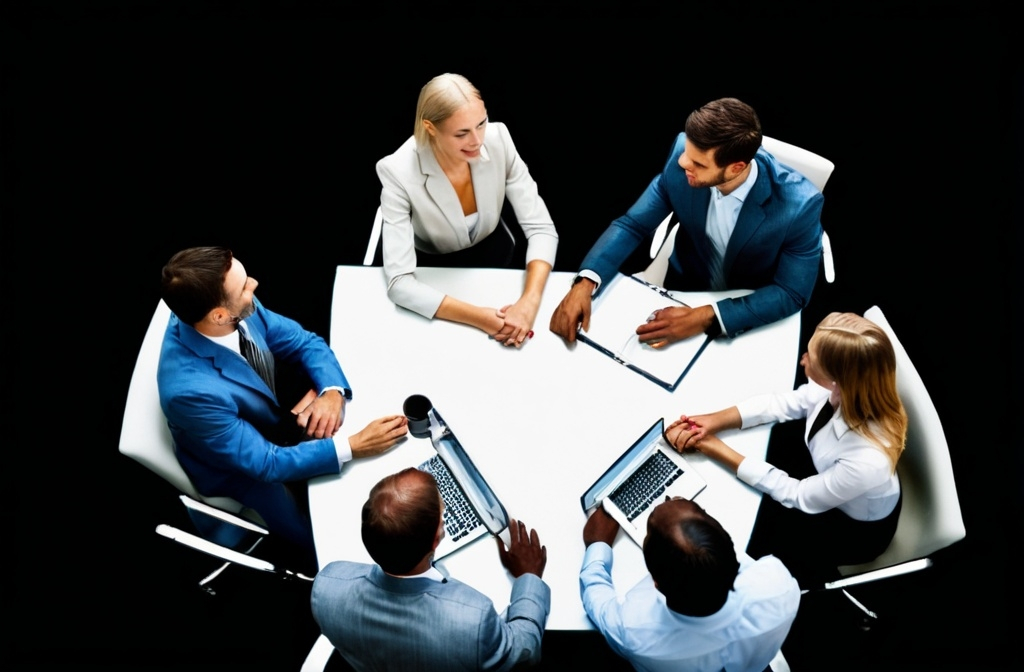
(439, 99)
(857, 354)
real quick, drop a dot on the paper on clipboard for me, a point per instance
(622, 306)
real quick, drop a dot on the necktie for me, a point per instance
(718, 231)
(262, 362)
(824, 415)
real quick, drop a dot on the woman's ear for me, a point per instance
(430, 128)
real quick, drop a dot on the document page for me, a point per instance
(625, 304)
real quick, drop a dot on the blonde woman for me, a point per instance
(841, 505)
(441, 199)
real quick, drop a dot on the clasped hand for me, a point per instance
(321, 415)
(517, 320)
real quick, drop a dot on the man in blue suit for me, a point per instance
(745, 222)
(231, 434)
(404, 613)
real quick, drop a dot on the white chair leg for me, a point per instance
(318, 656)
(779, 663)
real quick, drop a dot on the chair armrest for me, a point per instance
(221, 515)
(216, 550)
(883, 573)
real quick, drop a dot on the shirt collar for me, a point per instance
(740, 192)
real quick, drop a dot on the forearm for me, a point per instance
(456, 310)
(537, 273)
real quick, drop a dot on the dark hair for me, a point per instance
(728, 126)
(193, 282)
(400, 520)
(694, 564)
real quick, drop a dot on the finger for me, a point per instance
(513, 530)
(534, 538)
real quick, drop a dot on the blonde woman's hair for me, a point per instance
(439, 99)
(858, 355)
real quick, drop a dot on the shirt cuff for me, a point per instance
(712, 331)
(343, 449)
(345, 392)
(598, 552)
(591, 275)
(752, 470)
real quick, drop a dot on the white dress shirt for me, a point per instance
(743, 636)
(854, 475)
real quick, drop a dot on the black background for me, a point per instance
(133, 130)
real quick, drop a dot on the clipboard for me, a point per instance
(623, 305)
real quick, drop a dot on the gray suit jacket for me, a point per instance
(381, 622)
(421, 211)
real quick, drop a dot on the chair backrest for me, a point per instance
(144, 433)
(930, 518)
(815, 168)
(374, 242)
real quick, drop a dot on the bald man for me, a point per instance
(405, 613)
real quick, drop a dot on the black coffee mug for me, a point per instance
(416, 409)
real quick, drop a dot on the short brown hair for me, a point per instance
(193, 282)
(728, 126)
(400, 520)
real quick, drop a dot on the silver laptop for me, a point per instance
(640, 479)
(471, 509)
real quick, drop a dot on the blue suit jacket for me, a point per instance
(381, 622)
(774, 249)
(218, 407)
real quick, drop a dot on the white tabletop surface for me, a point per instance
(541, 423)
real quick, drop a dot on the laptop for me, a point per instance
(471, 509)
(640, 479)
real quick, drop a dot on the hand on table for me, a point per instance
(525, 555)
(320, 415)
(668, 325)
(378, 436)
(519, 318)
(573, 311)
(600, 527)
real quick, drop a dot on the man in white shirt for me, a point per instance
(702, 608)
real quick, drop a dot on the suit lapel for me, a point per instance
(751, 215)
(230, 365)
(443, 194)
(485, 187)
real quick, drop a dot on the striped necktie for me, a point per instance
(261, 361)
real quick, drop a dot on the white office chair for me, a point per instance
(815, 168)
(374, 242)
(930, 518)
(146, 439)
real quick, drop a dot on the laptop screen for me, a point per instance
(622, 467)
(480, 495)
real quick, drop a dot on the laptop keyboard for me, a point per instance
(459, 517)
(645, 484)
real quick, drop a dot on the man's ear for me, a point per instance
(735, 168)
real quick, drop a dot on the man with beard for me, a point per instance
(745, 222)
(226, 365)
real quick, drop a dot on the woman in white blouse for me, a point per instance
(844, 507)
(441, 200)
